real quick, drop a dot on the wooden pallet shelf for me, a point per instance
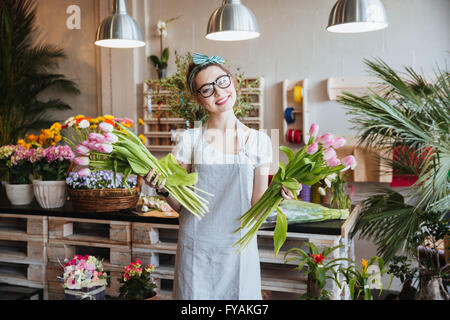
(161, 128)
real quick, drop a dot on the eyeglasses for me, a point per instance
(207, 90)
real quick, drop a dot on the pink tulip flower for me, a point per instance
(313, 130)
(329, 154)
(111, 137)
(83, 150)
(84, 172)
(106, 127)
(312, 148)
(339, 142)
(333, 162)
(104, 147)
(81, 161)
(349, 162)
(97, 137)
(326, 140)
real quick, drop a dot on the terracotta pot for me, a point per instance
(155, 297)
(50, 194)
(19, 194)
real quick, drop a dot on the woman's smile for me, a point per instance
(223, 100)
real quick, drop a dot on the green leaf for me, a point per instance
(279, 234)
(155, 61)
(283, 169)
(289, 153)
(165, 56)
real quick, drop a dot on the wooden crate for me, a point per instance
(21, 274)
(116, 255)
(162, 128)
(87, 230)
(23, 227)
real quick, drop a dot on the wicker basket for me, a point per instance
(105, 200)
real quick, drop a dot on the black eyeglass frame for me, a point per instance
(213, 84)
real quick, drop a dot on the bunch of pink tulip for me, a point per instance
(96, 143)
(329, 143)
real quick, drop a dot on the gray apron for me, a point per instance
(207, 265)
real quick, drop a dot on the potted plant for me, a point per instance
(364, 279)
(316, 269)
(402, 269)
(26, 71)
(181, 102)
(410, 116)
(85, 278)
(160, 63)
(137, 282)
(51, 170)
(17, 161)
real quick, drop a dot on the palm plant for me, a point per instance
(414, 113)
(25, 73)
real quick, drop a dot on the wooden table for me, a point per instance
(45, 236)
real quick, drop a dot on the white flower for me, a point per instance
(331, 177)
(84, 124)
(71, 119)
(162, 28)
(322, 191)
(327, 182)
(144, 208)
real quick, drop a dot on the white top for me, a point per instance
(257, 151)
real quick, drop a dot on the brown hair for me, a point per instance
(191, 67)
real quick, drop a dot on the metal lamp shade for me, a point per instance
(119, 30)
(232, 22)
(351, 16)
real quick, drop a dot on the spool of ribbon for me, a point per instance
(289, 115)
(298, 90)
(294, 136)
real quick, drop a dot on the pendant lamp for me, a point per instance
(119, 30)
(232, 21)
(352, 16)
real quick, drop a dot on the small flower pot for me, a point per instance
(50, 194)
(155, 297)
(19, 194)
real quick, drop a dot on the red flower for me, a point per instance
(318, 258)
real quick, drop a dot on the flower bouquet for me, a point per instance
(84, 278)
(309, 165)
(120, 150)
(137, 282)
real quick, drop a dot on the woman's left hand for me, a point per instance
(287, 194)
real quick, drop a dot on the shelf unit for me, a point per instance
(162, 128)
(358, 86)
(301, 110)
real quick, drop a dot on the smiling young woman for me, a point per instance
(232, 162)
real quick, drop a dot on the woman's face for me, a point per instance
(223, 99)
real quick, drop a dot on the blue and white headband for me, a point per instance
(201, 60)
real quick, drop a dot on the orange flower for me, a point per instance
(32, 138)
(110, 122)
(364, 264)
(141, 121)
(142, 137)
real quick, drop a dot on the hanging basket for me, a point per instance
(105, 200)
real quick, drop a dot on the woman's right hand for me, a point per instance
(153, 182)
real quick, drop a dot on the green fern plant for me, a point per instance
(26, 72)
(414, 113)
